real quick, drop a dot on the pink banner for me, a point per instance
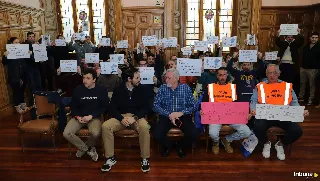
(225, 112)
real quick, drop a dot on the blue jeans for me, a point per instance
(242, 131)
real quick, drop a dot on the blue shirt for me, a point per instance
(254, 98)
(178, 100)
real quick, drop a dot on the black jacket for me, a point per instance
(104, 52)
(294, 47)
(17, 68)
(311, 57)
(122, 102)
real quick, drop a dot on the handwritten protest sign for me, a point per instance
(280, 112)
(16, 51)
(105, 42)
(146, 75)
(186, 50)
(189, 67)
(60, 42)
(251, 39)
(40, 52)
(122, 44)
(68, 65)
(79, 36)
(45, 40)
(119, 58)
(225, 112)
(149, 40)
(212, 39)
(288, 29)
(229, 41)
(171, 42)
(201, 45)
(271, 55)
(92, 57)
(212, 62)
(109, 68)
(248, 55)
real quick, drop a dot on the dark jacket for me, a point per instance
(30, 61)
(60, 53)
(17, 68)
(110, 82)
(294, 47)
(87, 102)
(311, 56)
(122, 102)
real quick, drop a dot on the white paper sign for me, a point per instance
(251, 39)
(60, 42)
(119, 58)
(171, 42)
(201, 45)
(212, 62)
(279, 112)
(85, 25)
(79, 36)
(189, 67)
(45, 40)
(109, 68)
(271, 55)
(105, 41)
(229, 41)
(146, 75)
(92, 58)
(288, 29)
(213, 39)
(248, 55)
(40, 52)
(16, 51)
(149, 40)
(68, 65)
(186, 51)
(122, 44)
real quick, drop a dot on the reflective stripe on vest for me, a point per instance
(211, 96)
(286, 94)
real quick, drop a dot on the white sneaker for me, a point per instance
(280, 151)
(266, 150)
(80, 153)
(93, 154)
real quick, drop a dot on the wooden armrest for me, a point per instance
(23, 113)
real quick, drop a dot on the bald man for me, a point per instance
(275, 91)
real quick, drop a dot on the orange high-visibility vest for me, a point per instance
(276, 94)
(222, 93)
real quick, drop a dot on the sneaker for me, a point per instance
(93, 154)
(23, 106)
(280, 151)
(227, 145)
(80, 153)
(266, 150)
(19, 109)
(215, 147)
(309, 103)
(145, 166)
(109, 163)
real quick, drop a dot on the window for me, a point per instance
(67, 19)
(219, 25)
(94, 13)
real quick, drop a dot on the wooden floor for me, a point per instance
(39, 162)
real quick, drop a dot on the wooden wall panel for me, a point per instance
(139, 21)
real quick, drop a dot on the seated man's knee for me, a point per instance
(95, 133)
(107, 125)
(245, 131)
(143, 125)
(214, 131)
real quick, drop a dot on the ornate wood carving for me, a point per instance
(15, 20)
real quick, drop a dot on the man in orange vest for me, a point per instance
(276, 92)
(222, 91)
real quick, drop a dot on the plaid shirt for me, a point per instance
(179, 100)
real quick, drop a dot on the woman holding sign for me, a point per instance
(17, 76)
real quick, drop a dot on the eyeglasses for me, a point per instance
(272, 73)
